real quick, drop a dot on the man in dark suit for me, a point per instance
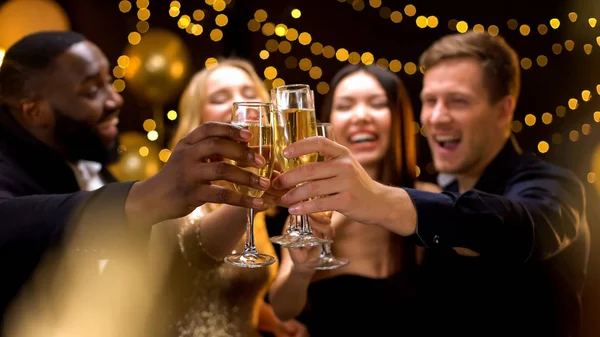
(507, 242)
(58, 109)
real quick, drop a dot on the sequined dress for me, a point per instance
(203, 296)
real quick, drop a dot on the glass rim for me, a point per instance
(252, 104)
(292, 87)
(323, 123)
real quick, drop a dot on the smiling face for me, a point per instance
(361, 117)
(465, 130)
(224, 86)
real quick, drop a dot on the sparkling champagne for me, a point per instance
(294, 125)
(261, 143)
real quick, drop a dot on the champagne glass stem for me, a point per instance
(306, 229)
(326, 248)
(249, 246)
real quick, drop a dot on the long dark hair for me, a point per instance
(399, 164)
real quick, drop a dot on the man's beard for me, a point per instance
(80, 141)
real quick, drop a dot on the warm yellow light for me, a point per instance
(197, 29)
(174, 11)
(315, 73)
(291, 34)
(124, 6)
(144, 151)
(598, 40)
(175, 4)
(569, 45)
(291, 62)
(542, 61)
(452, 24)
(547, 118)
(416, 127)
(270, 72)
(591, 177)
(410, 10)
(410, 68)
(598, 89)
(375, 3)
(462, 26)
(592, 22)
(216, 35)
(172, 115)
(134, 38)
(574, 135)
(264, 54)
(478, 28)
(525, 30)
(260, 15)
(280, 29)
(573, 16)
(285, 47)
(143, 14)
(198, 15)
(119, 85)
(164, 155)
(122, 61)
(367, 58)
(421, 21)
(278, 82)
(526, 63)
(305, 64)
(149, 125)
(597, 116)
(316, 48)
(493, 30)
(253, 25)
(354, 58)
(573, 103)
(560, 111)
(586, 95)
(512, 24)
(556, 138)
(328, 52)
(417, 171)
(272, 45)
(516, 126)
(221, 20)
(268, 29)
(358, 5)
(395, 66)
(383, 63)
(184, 21)
(304, 38)
(530, 119)
(586, 129)
(152, 135)
(118, 72)
(385, 12)
(542, 29)
(587, 48)
(554, 23)
(432, 21)
(341, 54)
(142, 26)
(219, 5)
(211, 62)
(396, 17)
(142, 3)
(543, 147)
(556, 48)
(322, 88)
(296, 13)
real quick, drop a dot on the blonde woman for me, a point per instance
(202, 295)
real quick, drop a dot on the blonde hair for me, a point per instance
(191, 105)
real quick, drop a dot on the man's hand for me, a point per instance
(184, 183)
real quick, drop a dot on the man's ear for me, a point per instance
(506, 109)
(35, 112)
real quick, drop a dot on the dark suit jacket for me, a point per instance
(41, 208)
(527, 220)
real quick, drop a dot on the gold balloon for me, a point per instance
(138, 158)
(158, 66)
(23, 17)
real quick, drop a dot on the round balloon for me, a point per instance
(23, 17)
(158, 66)
(138, 158)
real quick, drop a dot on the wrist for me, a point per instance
(143, 205)
(302, 272)
(397, 211)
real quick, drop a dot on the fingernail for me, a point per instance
(264, 183)
(285, 198)
(245, 134)
(257, 202)
(294, 210)
(259, 160)
(287, 152)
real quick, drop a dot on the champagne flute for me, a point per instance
(257, 118)
(295, 120)
(326, 260)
